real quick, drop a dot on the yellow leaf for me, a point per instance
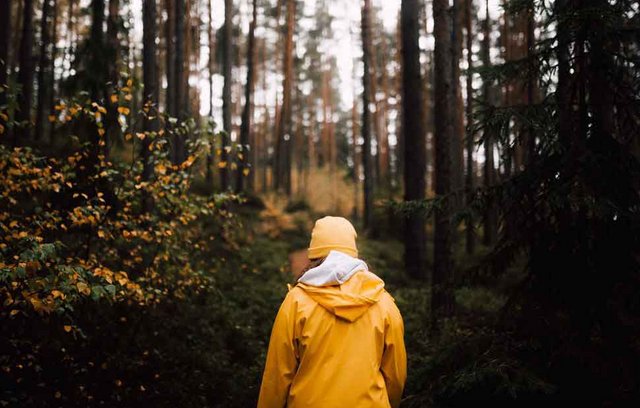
(129, 82)
(161, 169)
(101, 131)
(114, 98)
(14, 312)
(57, 294)
(128, 97)
(128, 136)
(83, 288)
(101, 234)
(52, 118)
(1, 129)
(13, 224)
(67, 328)
(123, 110)
(222, 165)
(4, 116)
(246, 171)
(141, 136)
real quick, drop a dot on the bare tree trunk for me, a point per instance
(366, 117)
(283, 174)
(181, 102)
(415, 151)
(51, 93)
(5, 41)
(226, 93)
(150, 80)
(490, 216)
(210, 69)
(170, 29)
(45, 43)
(457, 145)
(244, 165)
(25, 76)
(441, 291)
(469, 181)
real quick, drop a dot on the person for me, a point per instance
(338, 338)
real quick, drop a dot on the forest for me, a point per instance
(162, 164)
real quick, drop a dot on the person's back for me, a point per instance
(338, 338)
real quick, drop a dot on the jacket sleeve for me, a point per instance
(282, 359)
(394, 357)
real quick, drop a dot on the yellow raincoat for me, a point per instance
(336, 344)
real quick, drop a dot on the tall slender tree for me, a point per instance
(283, 161)
(5, 40)
(25, 75)
(150, 81)
(415, 235)
(244, 165)
(441, 301)
(226, 93)
(181, 108)
(43, 68)
(470, 167)
(367, 163)
(489, 174)
(169, 34)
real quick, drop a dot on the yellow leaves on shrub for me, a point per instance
(123, 110)
(122, 278)
(188, 162)
(83, 288)
(246, 171)
(57, 294)
(114, 98)
(161, 169)
(222, 165)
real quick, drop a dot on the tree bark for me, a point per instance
(441, 291)
(490, 215)
(25, 76)
(226, 93)
(5, 41)
(415, 150)
(245, 129)
(181, 108)
(283, 160)
(169, 32)
(150, 80)
(470, 136)
(366, 117)
(43, 68)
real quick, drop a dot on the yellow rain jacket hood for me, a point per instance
(337, 341)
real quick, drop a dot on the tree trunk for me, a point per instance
(490, 215)
(5, 40)
(226, 94)
(366, 117)
(169, 32)
(441, 291)
(283, 161)
(457, 141)
(150, 80)
(43, 68)
(210, 69)
(244, 165)
(25, 76)
(470, 137)
(51, 94)
(415, 151)
(181, 108)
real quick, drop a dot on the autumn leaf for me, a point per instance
(123, 110)
(222, 164)
(83, 288)
(67, 328)
(114, 98)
